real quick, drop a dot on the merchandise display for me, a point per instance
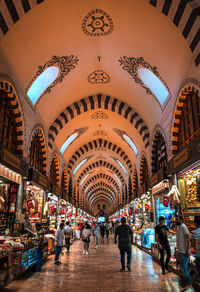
(189, 187)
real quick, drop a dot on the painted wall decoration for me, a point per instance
(131, 65)
(97, 23)
(100, 133)
(99, 115)
(64, 63)
(98, 76)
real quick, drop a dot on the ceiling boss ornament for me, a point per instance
(99, 115)
(97, 23)
(64, 63)
(100, 133)
(98, 76)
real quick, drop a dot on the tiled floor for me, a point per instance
(98, 271)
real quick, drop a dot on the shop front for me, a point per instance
(12, 171)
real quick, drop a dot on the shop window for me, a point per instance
(53, 172)
(189, 125)
(36, 159)
(8, 127)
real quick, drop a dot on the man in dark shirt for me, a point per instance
(125, 240)
(163, 243)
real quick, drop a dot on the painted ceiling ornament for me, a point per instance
(64, 63)
(131, 65)
(119, 132)
(100, 133)
(98, 76)
(97, 23)
(99, 115)
(81, 131)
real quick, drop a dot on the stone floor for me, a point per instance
(98, 271)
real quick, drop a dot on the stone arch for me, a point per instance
(56, 161)
(16, 107)
(187, 89)
(143, 161)
(95, 144)
(95, 102)
(101, 176)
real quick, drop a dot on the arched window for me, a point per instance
(36, 159)
(54, 172)
(8, 127)
(189, 125)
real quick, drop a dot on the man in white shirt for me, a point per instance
(95, 232)
(183, 245)
(59, 239)
(68, 235)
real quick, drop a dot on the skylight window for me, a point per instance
(43, 81)
(121, 166)
(117, 178)
(154, 84)
(84, 179)
(130, 142)
(79, 165)
(68, 142)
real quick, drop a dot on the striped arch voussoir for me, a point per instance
(9, 89)
(56, 161)
(135, 179)
(96, 102)
(177, 114)
(143, 159)
(156, 135)
(96, 144)
(101, 176)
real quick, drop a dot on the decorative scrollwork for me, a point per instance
(97, 23)
(131, 65)
(64, 63)
(99, 115)
(98, 76)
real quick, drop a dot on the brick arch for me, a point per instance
(101, 176)
(38, 130)
(103, 190)
(96, 144)
(184, 15)
(103, 197)
(96, 102)
(101, 163)
(64, 178)
(135, 180)
(157, 134)
(55, 160)
(187, 89)
(14, 101)
(100, 184)
(142, 163)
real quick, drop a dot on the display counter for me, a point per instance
(148, 237)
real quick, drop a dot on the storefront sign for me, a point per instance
(181, 157)
(10, 159)
(160, 187)
(42, 181)
(9, 174)
(154, 179)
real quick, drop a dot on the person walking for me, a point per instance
(95, 232)
(196, 244)
(59, 239)
(102, 228)
(163, 243)
(68, 235)
(125, 241)
(38, 241)
(107, 227)
(86, 233)
(183, 246)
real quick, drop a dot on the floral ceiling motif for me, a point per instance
(99, 115)
(98, 76)
(100, 133)
(97, 23)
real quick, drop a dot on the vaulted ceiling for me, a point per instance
(98, 47)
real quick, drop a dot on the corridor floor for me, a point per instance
(98, 271)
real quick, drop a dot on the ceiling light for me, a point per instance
(43, 81)
(68, 142)
(154, 84)
(130, 142)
